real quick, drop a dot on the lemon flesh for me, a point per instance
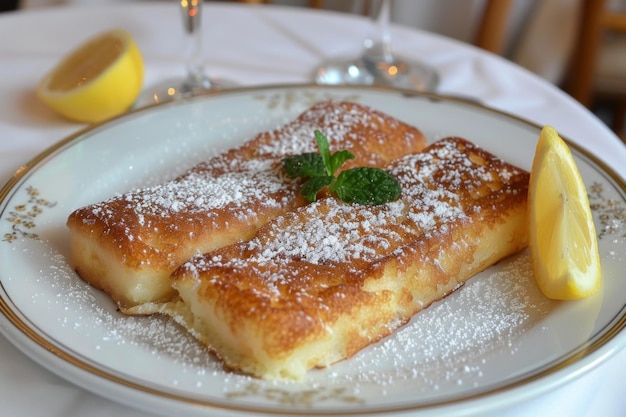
(98, 80)
(562, 235)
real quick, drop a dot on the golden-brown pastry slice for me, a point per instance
(128, 245)
(322, 282)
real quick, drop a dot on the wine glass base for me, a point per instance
(179, 88)
(338, 71)
(400, 73)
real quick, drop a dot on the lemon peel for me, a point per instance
(562, 235)
(99, 79)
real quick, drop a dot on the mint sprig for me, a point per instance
(362, 185)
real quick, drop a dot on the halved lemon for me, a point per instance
(563, 241)
(98, 80)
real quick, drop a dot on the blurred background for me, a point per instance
(578, 45)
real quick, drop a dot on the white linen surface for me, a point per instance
(254, 46)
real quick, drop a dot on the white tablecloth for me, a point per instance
(253, 46)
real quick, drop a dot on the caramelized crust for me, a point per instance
(322, 282)
(128, 245)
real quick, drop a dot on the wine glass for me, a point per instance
(377, 64)
(196, 81)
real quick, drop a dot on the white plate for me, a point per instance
(495, 341)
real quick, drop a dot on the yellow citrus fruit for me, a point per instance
(98, 80)
(563, 242)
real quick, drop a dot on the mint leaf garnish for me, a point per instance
(366, 186)
(322, 145)
(338, 158)
(334, 161)
(304, 165)
(314, 185)
(361, 185)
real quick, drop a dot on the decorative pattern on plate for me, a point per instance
(23, 216)
(304, 399)
(296, 99)
(610, 212)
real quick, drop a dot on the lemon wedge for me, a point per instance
(98, 80)
(563, 242)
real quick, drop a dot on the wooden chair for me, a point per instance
(316, 4)
(492, 29)
(598, 67)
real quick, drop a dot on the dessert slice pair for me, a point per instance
(129, 245)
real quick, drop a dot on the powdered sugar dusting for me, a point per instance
(193, 193)
(360, 235)
(245, 180)
(93, 327)
(330, 231)
(336, 124)
(448, 342)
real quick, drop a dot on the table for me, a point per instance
(254, 46)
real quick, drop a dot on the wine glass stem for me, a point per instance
(378, 46)
(192, 21)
